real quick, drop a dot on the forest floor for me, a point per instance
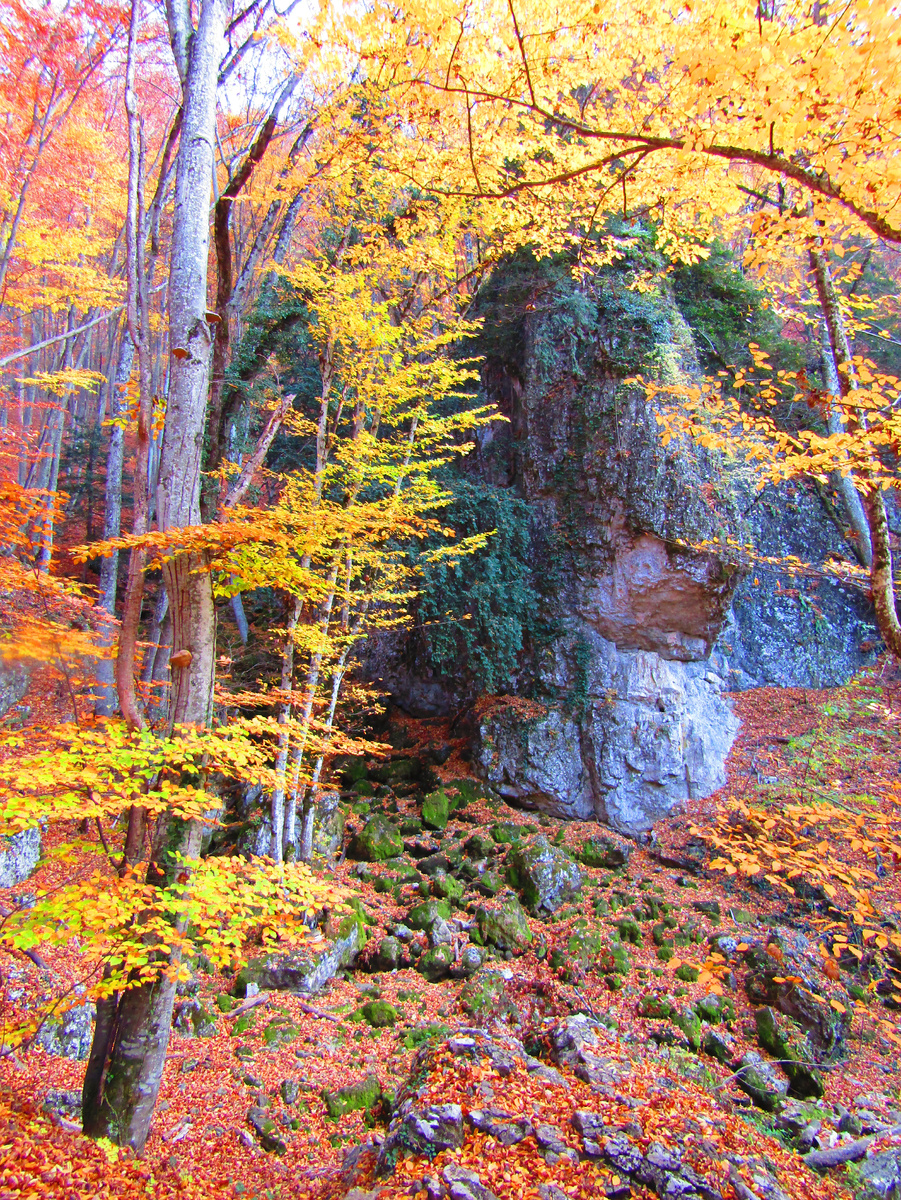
(799, 856)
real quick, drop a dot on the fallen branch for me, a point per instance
(821, 1160)
(318, 1012)
(248, 1005)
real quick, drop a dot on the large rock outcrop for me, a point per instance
(626, 714)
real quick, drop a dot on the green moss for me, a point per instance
(380, 1014)
(687, 973)
(436, 810)
(355, 1097)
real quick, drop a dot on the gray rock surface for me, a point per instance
(881, 1176)
(304, 973)
(624, 540)
(653, 733)
(69, 1036)
(19, 856)
(547, 877)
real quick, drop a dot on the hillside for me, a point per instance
(618, 1032)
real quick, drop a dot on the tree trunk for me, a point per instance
(126, 1081)
(881, 576)
(844, 484)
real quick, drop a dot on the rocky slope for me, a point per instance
(514, 1006)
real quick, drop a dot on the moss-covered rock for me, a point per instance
(505, 833)
(436, 810)
(656, 1006)
(761, 1082)
(397, 771)
(688, 1022)
(629, 931)
(546, 875)
(389, 955)
(447, 888)
(505, 927)
(789, 983)
(306, 973)
(266, 1129)
(715, 1009)
(377, 841)
(489, 883)
(436, 963)
(423, 916)
(603, 852)
(279, 1032)
(792, 1050)
(483, 995)
(350, 768)
(480, 846)
(355, 1097)
(380, 1014)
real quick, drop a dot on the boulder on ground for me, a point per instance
(505, 927)
(547, 877)
(376, 841)
(354, 1097)
(436, 809)
(304, 972)
(603, 852)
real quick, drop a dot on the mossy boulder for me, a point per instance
(761, 1081)
(795, 986)
(263, 1125)
(436, 963)
(423, 916)
(483, 995)
(480, 846)
(306, 973)
(447, 888)
(505, 833)
(629, 931)
(279, 1032)
(715, 1009)
(355, 1097)
(436, 810)
(349, 768)
(547, 877)
(793, 1052)
(377, 841)
(396, 771)
(505, 927)
(584, 945)
(655, 1006)
(688, 1022)
(489, 883)
(380, 1014)
(389, 955)
(603, 852)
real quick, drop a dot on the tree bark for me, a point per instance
(881, 576)
(126, 1080)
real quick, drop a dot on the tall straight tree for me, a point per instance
(129, 1050)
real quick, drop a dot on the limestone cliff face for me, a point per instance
(628, 716)
(632, 719)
